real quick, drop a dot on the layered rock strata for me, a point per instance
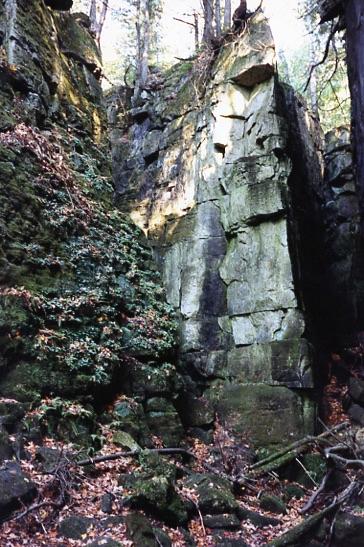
(203, 166)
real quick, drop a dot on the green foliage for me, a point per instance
(328, 89)
(84, 298)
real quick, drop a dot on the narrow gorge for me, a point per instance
(179, 275)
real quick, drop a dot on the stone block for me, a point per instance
(258, 270)
(265, 415)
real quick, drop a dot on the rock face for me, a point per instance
(203, 167)
(83, 313)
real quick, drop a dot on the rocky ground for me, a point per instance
(207, 493)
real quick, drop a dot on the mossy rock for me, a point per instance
(153, 489)
(214, 494)
(140, 531)
(273, 504)
(75, 527)
(293, 491)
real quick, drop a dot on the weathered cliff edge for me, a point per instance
(204, 164)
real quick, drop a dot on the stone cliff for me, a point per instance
(82, 311)
(205, 168)
(173, 325)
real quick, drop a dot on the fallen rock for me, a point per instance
(293, 491)
(153, 489)
(6, 449)
(196, 412)
(106, 503)
(356, 390)
(313, 471)
(261, 521)
(75, 527)
(227, 542)
(226, 522)
(348, 531)
(48, 458)
(11, 413)
(124, 440)
(15, 488)
(356, 413)
(162, 538)
(214, 494)
(140, 531)
(273, 504)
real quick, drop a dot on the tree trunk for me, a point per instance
(93, 15)
(197, 30)
(208, 15)
(105, 5)
(354, 14)
(313, 81)
(143, 45)
(227, 15)
(218, 17)
(98, 21)
(144, 69)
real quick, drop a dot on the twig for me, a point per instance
(297, 447)
(56, 504)
(131, 453)
(309, 504)
(345, 461)
(185, 22)
(306, 471)
(334, 28)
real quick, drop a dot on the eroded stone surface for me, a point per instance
(207, 176)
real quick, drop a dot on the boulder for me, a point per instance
(11, 413)
(196, 411)
(348, 531)
(293, 491)
(164, 421)
(214, 494)
(273, 504)
(260, 521)
(226, 522)
(140, 531)
(153, 490)
(162, 538)
(124, 440)
(48, 458)
(6, 446)
(267, 414)
(356, 390)
(316, 468)
(107, 503)
(356, 413)
(75, 527)
(15, 488)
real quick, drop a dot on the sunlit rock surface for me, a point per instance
(202, 164)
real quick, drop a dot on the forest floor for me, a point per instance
(82, 491)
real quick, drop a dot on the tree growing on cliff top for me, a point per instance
(98, 12)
